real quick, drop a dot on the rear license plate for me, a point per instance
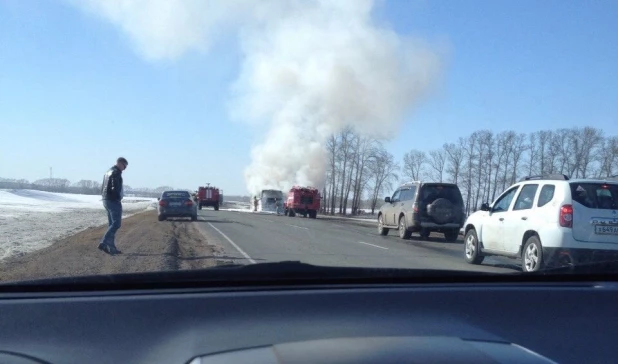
(175, 204)
(606, 229)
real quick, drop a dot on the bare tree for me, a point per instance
(383, 171)
(365, 151)
(454, 154)
(332, 146)
(413, 163)
(437, 162)
(534, 154)
(608, 158)
(590, 140)
(345, 152)
(519, 147)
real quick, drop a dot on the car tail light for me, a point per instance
(162, 203)
(566, 216)
(415, 207)
(189, 203)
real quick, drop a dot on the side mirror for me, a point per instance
(485, 207)
(387, 199)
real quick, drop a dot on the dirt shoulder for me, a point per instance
(147, 245)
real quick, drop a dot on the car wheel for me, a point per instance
(194, 218)
(404, 233)
(161, 217)
(200, 207)
(216, 207)
(471, 248)
(381, 229)
(451, 235)
(532, 255)
(424, 233)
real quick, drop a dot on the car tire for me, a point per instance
(161, 217)
(404, 233)
(194, 218)
(381, 229)
(199, 207)
(532, 255)
(424, 233)
(451, 235)
(472, 251)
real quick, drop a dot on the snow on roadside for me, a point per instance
(31, 220)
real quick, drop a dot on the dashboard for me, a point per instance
(400, 323)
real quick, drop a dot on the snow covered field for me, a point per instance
(32, 220)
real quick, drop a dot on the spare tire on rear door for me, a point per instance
(442, 211)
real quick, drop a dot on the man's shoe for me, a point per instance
(105, 248)
(114, 250)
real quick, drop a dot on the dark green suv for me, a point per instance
(423, 208)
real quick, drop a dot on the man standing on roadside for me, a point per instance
(112, 193)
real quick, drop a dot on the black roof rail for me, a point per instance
(556, 177)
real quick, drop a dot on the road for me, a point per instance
(255, 237)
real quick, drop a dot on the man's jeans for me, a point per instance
(114, 217)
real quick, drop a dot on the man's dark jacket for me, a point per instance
(112, 184)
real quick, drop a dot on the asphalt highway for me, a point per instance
(249, 237)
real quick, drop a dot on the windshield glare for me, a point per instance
(414, 135)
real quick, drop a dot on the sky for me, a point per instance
(77, 91)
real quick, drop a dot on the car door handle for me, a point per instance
(501, 219)
(524, 218)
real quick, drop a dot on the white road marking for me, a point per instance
(377, 246)
(234, 244)
(269, 220)
(299, 227)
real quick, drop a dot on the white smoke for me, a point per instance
(311, 68)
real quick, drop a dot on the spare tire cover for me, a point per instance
(442, 211)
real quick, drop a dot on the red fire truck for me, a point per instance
(209, 196)
(302, 200)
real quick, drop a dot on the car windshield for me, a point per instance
(189, 135)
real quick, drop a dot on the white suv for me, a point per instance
(548, 221)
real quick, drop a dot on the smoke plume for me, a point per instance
(310, 69)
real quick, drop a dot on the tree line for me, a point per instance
(482, 164)
(86, 187)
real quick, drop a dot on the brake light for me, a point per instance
(189, 203)
(415, 207)
(162, 203)
(566, 216)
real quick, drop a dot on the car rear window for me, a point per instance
(595, 195)
(176, 194)
(433, 192)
